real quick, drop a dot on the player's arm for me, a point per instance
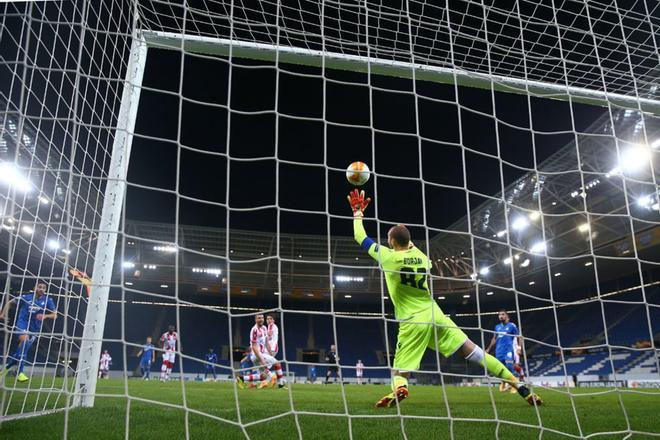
(257, 353)
(139, 353)
(359, 203)
(51, 309)
(493, 341)
(6, 308)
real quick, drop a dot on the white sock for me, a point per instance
(477, 355)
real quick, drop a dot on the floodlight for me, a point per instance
(538, 247)
(519, 223)
(634, 158)
(11, 176)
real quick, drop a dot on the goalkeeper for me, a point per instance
(422, 323)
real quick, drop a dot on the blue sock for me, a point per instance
(11, 361)
(23, 354)
(20, 352)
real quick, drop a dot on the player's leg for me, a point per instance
(279, 375)
(475, 354)
(26, 342)
(412, 340)
(249, 376)
(163, 367)
(517, 367)
(519, 371)
(450, 339)
(271, 379)
(170, 364)
(507, 361)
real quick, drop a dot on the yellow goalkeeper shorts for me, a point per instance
(428, 329)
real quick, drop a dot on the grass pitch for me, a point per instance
(215, 410)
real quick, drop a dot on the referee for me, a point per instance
(332, 358)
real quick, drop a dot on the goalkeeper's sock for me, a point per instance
(399, 381)
(494, 367)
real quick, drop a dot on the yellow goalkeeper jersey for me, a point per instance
(406, 274)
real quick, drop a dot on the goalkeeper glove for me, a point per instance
(82, 278)
(358, 202)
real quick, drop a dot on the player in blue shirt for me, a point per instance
(503, 340)
(209, 368)
(246, 366)
(31, 311)
(147, 356)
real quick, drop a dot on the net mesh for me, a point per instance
(234, 203)
(59, 104)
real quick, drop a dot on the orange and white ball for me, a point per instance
(357, 173)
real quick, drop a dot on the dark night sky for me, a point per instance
(252, 143)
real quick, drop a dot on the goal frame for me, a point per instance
(113, 204)
(399, 69)
(92, 339)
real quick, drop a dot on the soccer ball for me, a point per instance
(357, 173)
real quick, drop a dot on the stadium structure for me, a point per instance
(566, 239)
(476, 256)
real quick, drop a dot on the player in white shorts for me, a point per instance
(273, 335)
(168, 343)
(104, 365)
(261, 357)
(359, 371)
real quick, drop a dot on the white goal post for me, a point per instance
(113, 204)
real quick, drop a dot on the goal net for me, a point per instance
(172, 170)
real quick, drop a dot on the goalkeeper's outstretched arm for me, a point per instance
(358, 204)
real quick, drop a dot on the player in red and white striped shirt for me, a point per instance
(273, 335)
(168, 343)
(104, 365)
(261, 356)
